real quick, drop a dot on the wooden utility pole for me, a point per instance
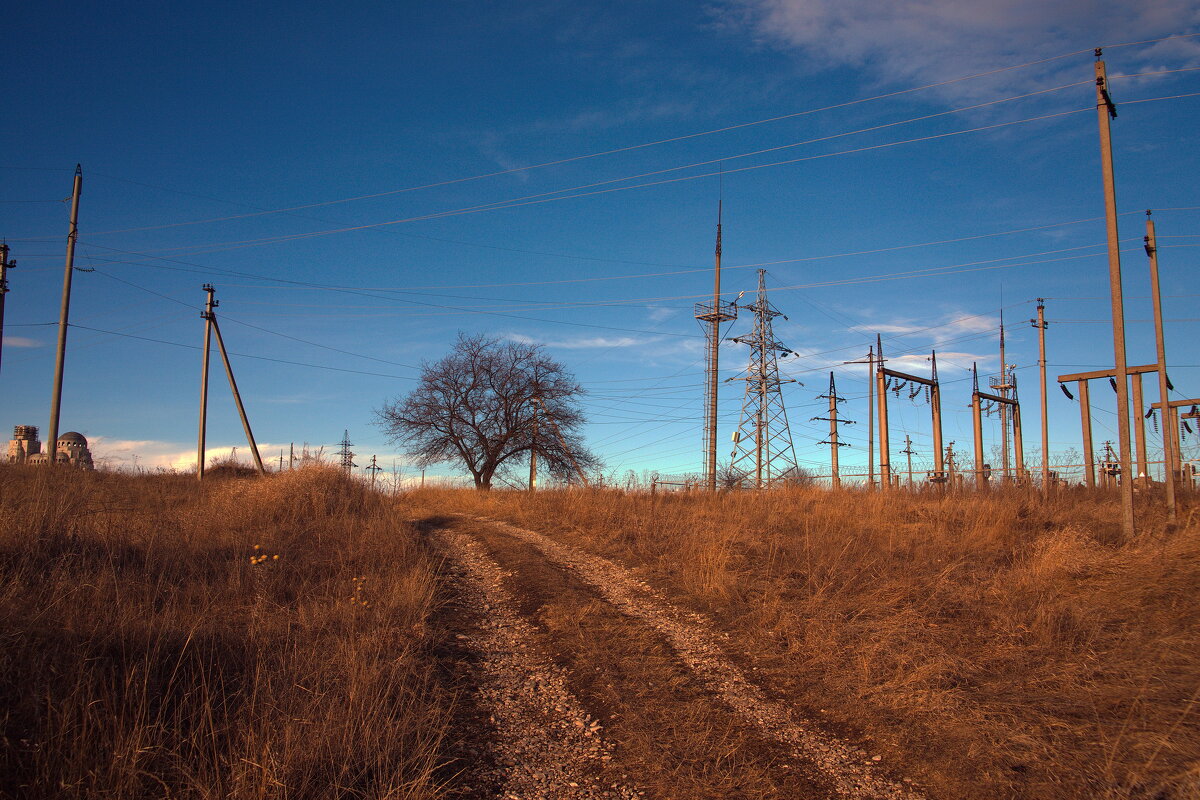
(63, 316)
(207, 314)
(533, 454)
(5, 266)
(1163, 383)
(1040, 324)
(1104, 110)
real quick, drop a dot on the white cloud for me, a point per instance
(582, 342)
(21, 341)
(909, 42)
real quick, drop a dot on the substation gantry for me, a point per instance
(883, 383)
(1013, 418)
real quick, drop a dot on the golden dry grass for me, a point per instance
(242, 639)
(993, 646)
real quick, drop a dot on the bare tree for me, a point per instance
(487, 405)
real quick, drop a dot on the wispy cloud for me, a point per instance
(580, 343)
(925, 41)
(21, 341)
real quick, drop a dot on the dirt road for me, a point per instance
(578, 680)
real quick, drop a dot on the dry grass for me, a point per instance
(240, 639)
(995, 646)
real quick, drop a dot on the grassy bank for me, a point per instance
(241, 639)
(993, 646)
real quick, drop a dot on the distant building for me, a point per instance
(24, 444)
(26, 449)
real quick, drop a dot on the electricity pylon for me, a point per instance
(345, 453)
(762, 444)
(710, 316)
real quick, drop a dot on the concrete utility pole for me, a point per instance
(63, 315)
(1170, 427)
(373, 468)
(211, 325)
(1040, 324)
(1104, 110)
(1002, 390)
(1161, 352)
(834, 440)
(870, 362)
(207, 314)
(882, 374)
(5, 266)
(908, 452)
(237, 399)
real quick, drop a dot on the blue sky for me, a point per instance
(373, 178)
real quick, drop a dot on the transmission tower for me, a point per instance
(345, 453)
(710, 316)
(762, 445)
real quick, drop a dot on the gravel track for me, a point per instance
(853, 773)
(545, 745)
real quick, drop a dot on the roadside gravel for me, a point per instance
(855, 774)
(545, 745)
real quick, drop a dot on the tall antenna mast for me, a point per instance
(763, 442)
(710, 316)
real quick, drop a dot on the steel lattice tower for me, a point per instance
(762, 451)
(345, 453)
(710, 316)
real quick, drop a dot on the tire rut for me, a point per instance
(542, 743)
(851, 773)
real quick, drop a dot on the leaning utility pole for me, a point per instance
(211, 325)
(208, 316)
(1104, 110)
(63, 315)
(710, 317)
(834, 440)
(1040, 324)
(5, 266)
(1163, 383)
(237, 398)
(373, 468)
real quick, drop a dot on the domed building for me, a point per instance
(26, 449)
(73, 449)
